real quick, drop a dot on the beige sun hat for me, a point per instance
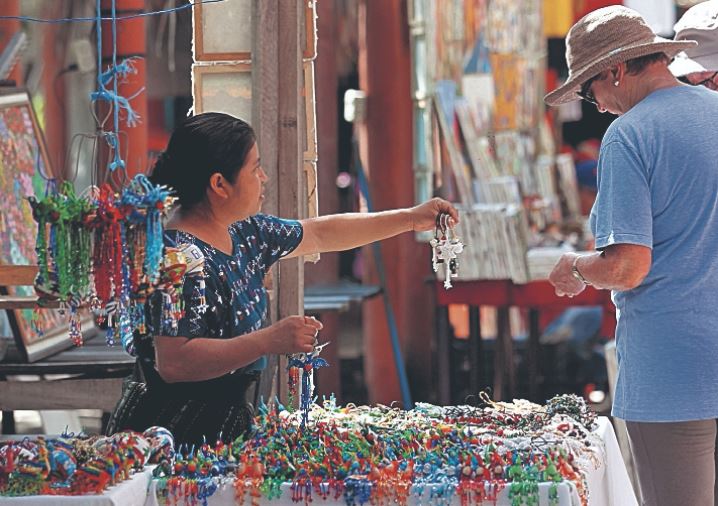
(699, 23)
(603, 38)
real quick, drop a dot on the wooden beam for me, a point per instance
(265, 70)
(290, 156)
(25, 302)
(17, 275)
(60, 394)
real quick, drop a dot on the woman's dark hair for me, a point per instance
(203, 145)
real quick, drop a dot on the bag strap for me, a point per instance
(137, 373)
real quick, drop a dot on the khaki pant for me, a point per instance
(675, 462)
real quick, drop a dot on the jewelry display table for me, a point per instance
(608, 485)
(606, 479)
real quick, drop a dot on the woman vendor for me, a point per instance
(196, 372)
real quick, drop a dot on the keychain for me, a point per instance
(304, 364)
(445, 248)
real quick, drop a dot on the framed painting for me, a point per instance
(223, 88)
(309, 34)
(23, 162)
(216, 37)
(225, 43)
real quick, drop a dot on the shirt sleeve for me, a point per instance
(622, 212)
(277, 237)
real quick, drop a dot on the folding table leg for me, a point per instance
(8, 422)
(503, 360)
(534, 354)
(475, 350)
(443, 345)
(509, 358)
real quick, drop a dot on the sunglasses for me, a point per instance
(586, 93)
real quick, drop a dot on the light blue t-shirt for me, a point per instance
(658, 187)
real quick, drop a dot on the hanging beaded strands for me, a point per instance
(105, 253)
(104, 249)
(63, 249)
(128, 254)
(143, 204)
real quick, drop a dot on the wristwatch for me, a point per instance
(576, 273)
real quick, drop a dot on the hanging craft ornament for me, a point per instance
(445, 248)
(172, 276)
(144, 205)
(304, 364)
(42, 212)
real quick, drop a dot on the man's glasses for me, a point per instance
(586, 93)
(708, 82)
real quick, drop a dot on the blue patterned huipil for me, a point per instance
(235, 304)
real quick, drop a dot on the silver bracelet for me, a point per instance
(576, 273)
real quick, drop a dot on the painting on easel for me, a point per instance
(23, 162)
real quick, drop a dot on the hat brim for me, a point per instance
(683, 65)
(567, 92)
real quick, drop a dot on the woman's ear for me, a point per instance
(219, 185)
(618, 72)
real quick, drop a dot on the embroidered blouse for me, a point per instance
(235, 297)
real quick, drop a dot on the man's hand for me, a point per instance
(563, 279)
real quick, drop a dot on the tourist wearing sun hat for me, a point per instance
(655, 223)
(698, 65)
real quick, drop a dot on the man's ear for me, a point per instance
(218, 185)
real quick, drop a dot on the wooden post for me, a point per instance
(265, 102)
(326, 271)
(8, 28)
(386, 150)
(290, 157)
(277, 105)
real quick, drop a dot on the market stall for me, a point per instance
(111, 259)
